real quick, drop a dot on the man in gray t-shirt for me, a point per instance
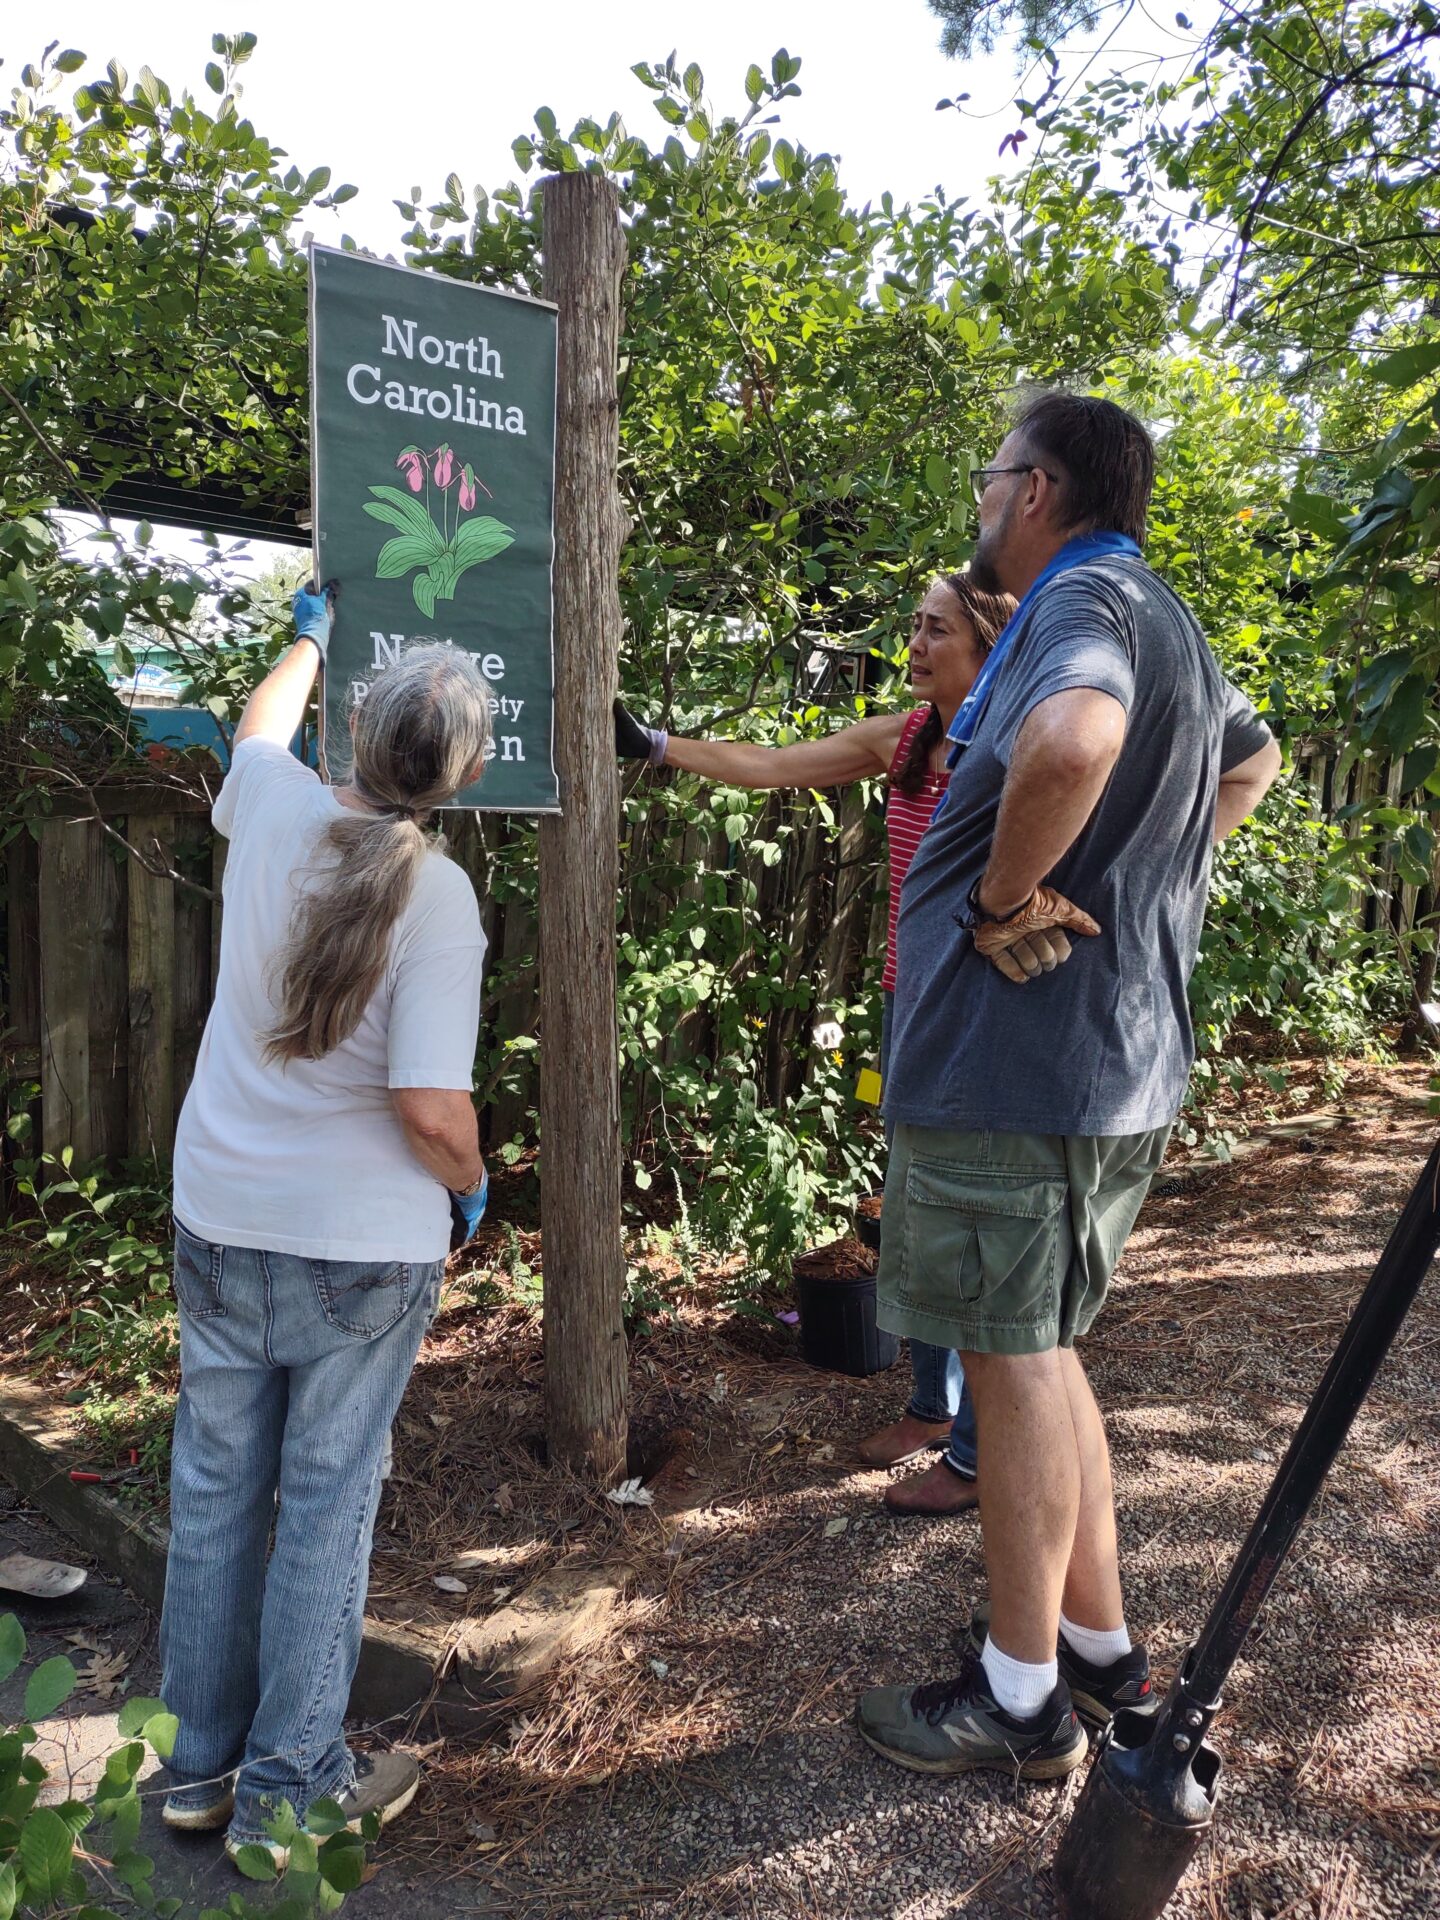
(1040, 1050)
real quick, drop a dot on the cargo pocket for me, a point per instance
(199, 1273)
(982, 1238)
(361, 1299)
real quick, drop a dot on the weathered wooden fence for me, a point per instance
(109, 965)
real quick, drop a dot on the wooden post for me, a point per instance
(585, 1356)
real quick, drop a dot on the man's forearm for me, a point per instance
(1058, 771)
(1234, 804)
(1243, 788)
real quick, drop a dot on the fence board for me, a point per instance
(104, 911)
(22, 950)
(151, 920)
(65, 993)
(192, 950)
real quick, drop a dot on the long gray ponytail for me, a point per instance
(420, 733)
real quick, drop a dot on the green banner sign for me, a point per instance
(433, 450)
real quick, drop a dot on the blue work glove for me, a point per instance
(314, 611)
(467, 1210)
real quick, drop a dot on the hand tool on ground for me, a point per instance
(117, 1477)
(1152, 1791)
(39, 1579)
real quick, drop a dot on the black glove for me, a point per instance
(634, 741)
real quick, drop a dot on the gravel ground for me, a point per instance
(703, 1764)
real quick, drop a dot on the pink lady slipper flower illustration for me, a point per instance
(471, 487)
(444, 468)
(412, 464)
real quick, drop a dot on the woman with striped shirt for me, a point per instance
(954, 628)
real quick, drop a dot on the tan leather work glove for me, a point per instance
(1034, 940)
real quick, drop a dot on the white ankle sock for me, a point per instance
(1099, 1645)
(1018, 1688)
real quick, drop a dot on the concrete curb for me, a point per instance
(472, 1678)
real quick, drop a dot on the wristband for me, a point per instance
(973, 915)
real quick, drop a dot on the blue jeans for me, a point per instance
(940, 1392)
(291, 1371)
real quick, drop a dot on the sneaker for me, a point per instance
(385, 1784)
(1099, 1693)
(199, 1809)
(955, 1726)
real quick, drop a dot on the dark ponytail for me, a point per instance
(987, 614)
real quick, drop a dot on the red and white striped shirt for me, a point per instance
(906, 817)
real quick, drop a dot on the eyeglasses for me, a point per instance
(982, 476)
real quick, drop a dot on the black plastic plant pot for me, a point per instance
(867, 1225)
(837, 1324)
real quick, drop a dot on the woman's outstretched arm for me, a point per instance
(277, 706)
(856, 752)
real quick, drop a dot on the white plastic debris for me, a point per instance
(631, 1493)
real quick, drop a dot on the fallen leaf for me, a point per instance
(823, 1453)
(101, 1674)
(504, 1498)
(779, 1447)
(834, 1527)
(447, 1583)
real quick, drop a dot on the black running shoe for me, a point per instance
(1099, 1693)
(955, 1726)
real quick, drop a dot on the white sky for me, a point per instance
(397, 95)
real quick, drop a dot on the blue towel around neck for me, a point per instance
(1085, 546)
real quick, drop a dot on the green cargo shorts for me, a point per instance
(1005, 1242)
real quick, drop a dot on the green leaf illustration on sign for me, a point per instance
(441, 550)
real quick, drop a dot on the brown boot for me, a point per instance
(902, 1441)
(936, 1493)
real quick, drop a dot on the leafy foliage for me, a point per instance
(805, 384)
(984, 23)
(45, 1865)
(1281, 160)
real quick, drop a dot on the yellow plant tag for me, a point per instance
(867, 1087)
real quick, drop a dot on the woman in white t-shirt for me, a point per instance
(326, 1160)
